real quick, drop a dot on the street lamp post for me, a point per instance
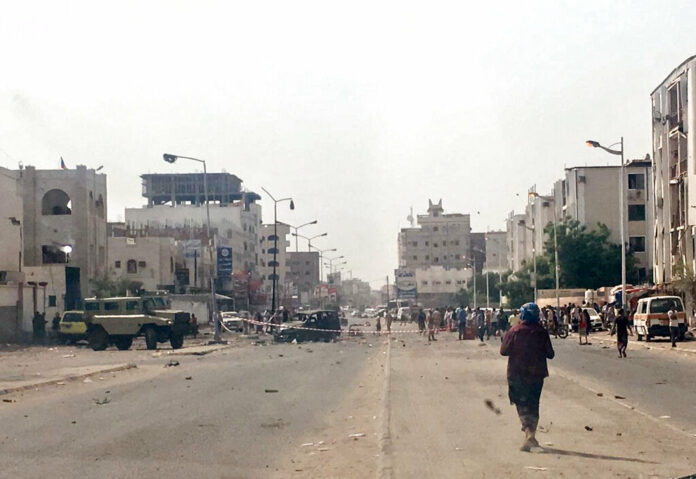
(321, 259)
(274, 278)
(169, 158)
(297, 237)
(595, 144)
(309, 240)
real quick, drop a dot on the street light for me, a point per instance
(169, 158)
(309, 240)
(555, 245)
(533, 230)
(331, 260)
(595, 144)
(296, 228)
(274, 278)
(321, 259)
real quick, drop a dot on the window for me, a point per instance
(444, 243)
(132, 266)
(117, 264)
(642, 274)
(51, 301)
(424, 283)
(435, 228)
(637, 243)
(456, 243)
(132, 306)
(448, 282)
(437, 259)
(636, 212)
(52, 254)
(434, 245)
(142, 264)
(427, 257)
(91, 306)
(427, 243)
(56, 202)
(415, 258)
(662, 305)
(110, 305)
(636, 181)
(415, 243)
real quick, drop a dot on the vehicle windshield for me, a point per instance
(72, 317)
(663, 305)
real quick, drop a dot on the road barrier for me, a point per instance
(286, 326)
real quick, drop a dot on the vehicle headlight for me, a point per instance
(169, 322)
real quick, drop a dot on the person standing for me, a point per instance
(378, 327)
(494, 323)
(55, 327)
(582, 328)
(502, 322)
(673, 326)
(480, 323)
(461, 323)
(388, 318)
(434, 318)
(621, 328)
(421, 321)
(448, 318)
(39, 327)
(527, 346)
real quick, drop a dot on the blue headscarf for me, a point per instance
(529, 313)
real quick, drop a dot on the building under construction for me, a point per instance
(188, 188)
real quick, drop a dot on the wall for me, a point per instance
(10, 234)
(159, 254)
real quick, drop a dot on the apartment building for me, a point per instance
(674, 208)
(516, 240)
(591, 195)
(439, 240)
(303, 272)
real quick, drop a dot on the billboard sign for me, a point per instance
(405, 284)
(224, 262)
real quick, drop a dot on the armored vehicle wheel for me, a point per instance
(151, 338)
(176, 340)
(123, 342)
(98, 339)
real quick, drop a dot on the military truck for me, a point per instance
(118, 320)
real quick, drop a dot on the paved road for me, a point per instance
(222, 423)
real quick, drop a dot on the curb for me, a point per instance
(51, 382)
(180, 352)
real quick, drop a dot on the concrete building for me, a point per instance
(496, 251)
(439, 240)
(590, 195)
(674, 147)
(64, 220)
(516, 239)
(268, 249)
(303, 272)
(356, 293)
(437, 285)
(235, 215)
(150, 260)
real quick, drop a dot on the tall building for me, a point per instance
(176, 202)
(674, 147)
(439, 240)
(303, 272)
(64, 222)
(266, 259)
(590, 195)
(516, 240)
(496, 251)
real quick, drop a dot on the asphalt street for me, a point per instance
(362, 407)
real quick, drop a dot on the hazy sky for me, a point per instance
(358, 110)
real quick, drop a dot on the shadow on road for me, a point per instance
(562, 452)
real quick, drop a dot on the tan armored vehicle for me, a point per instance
(118, 320)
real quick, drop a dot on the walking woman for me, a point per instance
(582, 328)
(621, 328)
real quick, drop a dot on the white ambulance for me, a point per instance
(650, 318)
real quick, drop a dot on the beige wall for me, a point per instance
(160, 256)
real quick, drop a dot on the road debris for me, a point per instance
(101, 402)
(357, 435)
(600, 394)
(307, 444)
(87, 380)
(271, 390)
(60, 383)
(588, 428)
(616, 396)
(489, 404)
(536, 468)
(171, 363)
(8, 400)
(188, 378)
(68, 355)
(665, 417)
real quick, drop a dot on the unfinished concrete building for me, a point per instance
(189, 188)
(673, 120)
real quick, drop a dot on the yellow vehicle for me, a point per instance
(72, 327)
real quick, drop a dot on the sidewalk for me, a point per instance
(27, 367)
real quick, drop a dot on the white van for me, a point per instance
(650, 318)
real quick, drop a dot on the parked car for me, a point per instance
(303, 328)
(72, 327)
(650, 318)
(234, 320)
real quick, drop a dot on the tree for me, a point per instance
(104, 287)
(494, 288)
(461, 297)
(588, 259)
(518, 287)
